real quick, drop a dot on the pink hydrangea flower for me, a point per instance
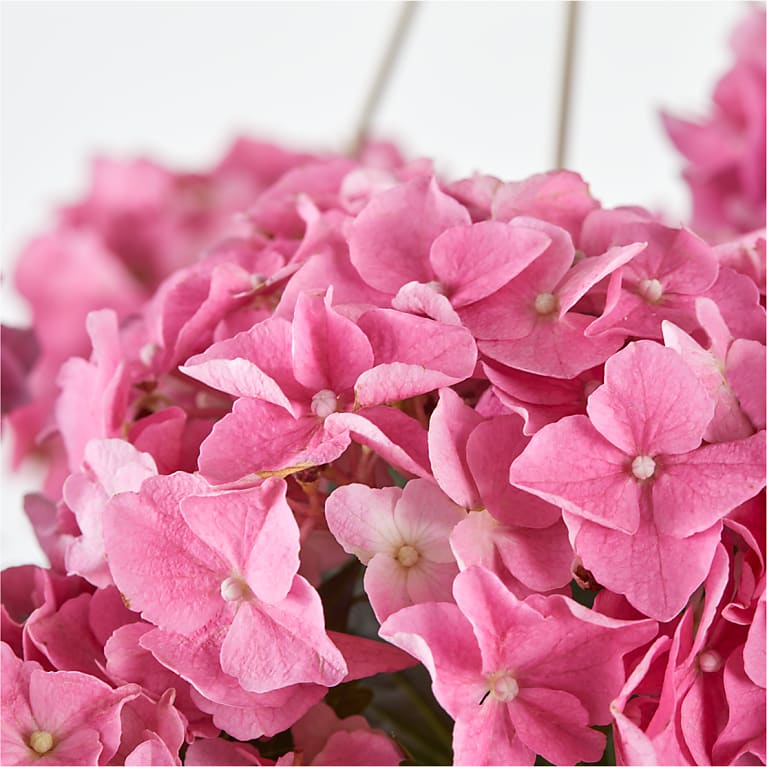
(643, 499)
(725, 152)
(60, 717)
(519, 677)
(402, 536)
(196, 561)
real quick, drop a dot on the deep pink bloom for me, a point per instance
(643, 498)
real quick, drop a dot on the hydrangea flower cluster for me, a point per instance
(725, 152)
(379, 425)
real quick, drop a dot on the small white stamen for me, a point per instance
(546, 303)
(504, 687)
(233, 589)
(324, 403)
(41, 741)
(147, 352)
(407, 556)
(651, 291)
(710, 660)
(643, 467)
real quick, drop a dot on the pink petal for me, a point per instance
(362, 519)
(490, 450)
(329, 351)
(656, 572)
(295, 648)
(554, 347)
(570, 465)
(591, 270)
(413, 355)
(254, 530)
(251, 364)
(484, 735)
(450, 425)
(158, 563)
(745, 373)
(695, 490)
(425, 517)
(390, 239)
(217, 751)
(359, 747)
(650, 403)
(152, 751)
(386, 583)
(367, 657)
(442, 639)
(399, 439)
(561, 197)
(268, 439)
(555, 725)
(473, 261)
(422, 299)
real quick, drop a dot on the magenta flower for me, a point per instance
(195, 561)
(643, 498)
(519, 677)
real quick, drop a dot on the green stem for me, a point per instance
(425, 748)
(424, 708)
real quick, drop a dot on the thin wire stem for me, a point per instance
(566, 88)
(383, 75)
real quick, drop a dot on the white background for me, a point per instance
(476, 88)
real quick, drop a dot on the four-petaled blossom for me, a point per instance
(643, 499)
(519, 677)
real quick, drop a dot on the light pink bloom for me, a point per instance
(110, 466)
(402, 537)
(192, 560)
(519, 677)
(643, 498)
(61, 717)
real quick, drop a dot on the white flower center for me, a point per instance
(710, 660)
(546, 303)
(651, 291)
(643, 467)
(324, 403)
(233, 589)
(504, 687)
(41, 741)
(407, 556)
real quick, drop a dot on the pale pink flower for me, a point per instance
(402, 537)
